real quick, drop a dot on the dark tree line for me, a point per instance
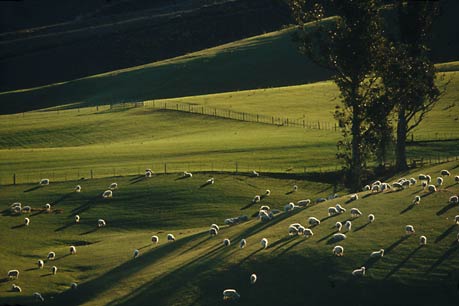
(385, 77)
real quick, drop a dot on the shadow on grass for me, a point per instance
(289, 192)
(62, 198)
(328, 217)
(46, 275)
(403, 262)
(281, 242)
(138, 179)
(327, 237)
(90, 231)
(451, 249)
(445, 233)
(60, 257)
(361, 227)
(181, 178)
(248, 205)
(370, 194)
(33, 188)
(205, 185)
(426, 194)
(370, 262)
(64, 227)
(293, 245)
(333, 240)
(18, 226)
(407, 209)
(445, 209)
(32, 269)
(199, 242)
(395, 244)
(4, 280)
(86, 205)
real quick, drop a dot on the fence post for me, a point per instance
(202, 110)
(257, 117)
(318, 125)
(177, 106)
(165, 168)
(236, 167)
(92, 175)
(272, 120)
(14, 179)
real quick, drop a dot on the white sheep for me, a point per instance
(456, 179)
(406, 183)
(289, 207)
(295, 188)
(301, 230)
(312, 221)
(26, 221)
(265, 207)
(101, 223)
(348, 226)
(376, 188)
(48, 207)
(13, 274)
(155, 239)
(439, 181)
(210, 181)
(422, 177)
(77, 188)
(256, 199)
(226, 242)
(397, 185)
(359, 272)
(54, 270)
(230, 294)
(376, 183)
(303, 203)
(107, 194)
(253, 278)
(292, 230)
(424, 185)
(213, 232)
(267, 192)
(26, 209)
(413, 181)
(170, 237)
(255, 173)
(215, 226)
(72, 250)
(409, 229)
(366, 188)
(77, 219)
(417, 200)
(339, 226)
(371, 218)
(429, 179)
(187, 174)
(40, 264)
(44, 182)
(51, 256)
(339, 236)
(445, 173)
(148, 174)
(264, 243)
(354, 197)
(456, 219)
(73, 286)
(355, 212)
(338, 250)
(16, 288)
(264, 216)
(385, 186)
(454, 199)
(38, 296)
(16, 207)
(242, 243)
(340, 208)
(432, 188)
(113, 186)
(308, 233)
(332, 211)
(136, 253)
(379, 253)
(422, 240)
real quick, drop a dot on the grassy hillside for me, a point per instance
(291, 271)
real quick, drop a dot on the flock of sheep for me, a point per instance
(265, 214)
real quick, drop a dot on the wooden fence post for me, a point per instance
(92, 174)
(165, 168)
(14, 179)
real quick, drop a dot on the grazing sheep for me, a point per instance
(72, 250)
(445, 173)
(264, 243)
(48, 207)
(307, 233)
(16, 288)
(366, 188)
(422, 240)
(385, 186)
(38, 296)
(289, 207)
(332, 211)
(44, 182)
(265, 216)
(338, 250)
(424, 185)
(253, 278)
(230, 294)
(417, 200)
(213, 225)
(77, 188)
(267, 192)
(187, 174)
(339, 226)
(456, 179)
(340, 208)
(397, 185)
(242, 243)
(379, 253)
(77, 219)
(136, 253)
(148, 174)
(226, 242)
(51, 256)
(376, 188)
(54, 270)
(376, 183)
(454, 199)
(170, 237)
(348, 226)
(432, 188)
(439, 181)
(354, 197)
(210, 181)
(312, 221)
(295, 188)
(26, 209)
(13, 274)
(301, 229)
(40, 264)
(155, 239)
(236, 220)
(256, 199)
(409, 229)
(292, 230)
(16, 207)
(355, 212)
(26, 221)
(213, 232)
(113, 186)
(456, 219)
(413, 181)
(101, 223)
(107, 194)
(359, 272)
(73, 286)
(406, 183)
(265, 207)
(303, 203)
(339, 236)
(422, 177)
(255, 173)
(429, 179)
(320, 200)
(371, 218)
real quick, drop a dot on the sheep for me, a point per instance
(267, 192)
(26, 209)
(242, 243)
(320, 200)
(44, 182)
(295, 188)
(187, 174)
(230, 294)
(429, 179)
(413, 181)
(332, 211)
(13, 274)
(16, 208)
(385, 186)
(236, 220)
(397, 185)
(148, 173)
(308, 233)
(303, 203)
(113, 186)
(339, 226)
(354, 197)
(54, 270)
(422, 177)
(255, 173)
(210, 181)
(77, 188)
(51, 256)
(432, 188)
(417, 200)
(77, 219)
(348, 226)
(289, 207)
(339, 236)
(213, 232)
(73, 286)
(359, 272)
(215, 226)
(409, 229)
(312, 221)
(38, 296)
(376, 183)
(72, 250)
(265, 207)
(355, 212)
(253, 278)
(264, 215)
(445, 173)
(456, 179)
(406, 183)
(101, 223)
(366, 188)
(376, 188)
(371, 218)
(439, 181)
(155, 239)
(338, 250)
(301, 229)
(422, 240)
(454, 199)
(456, 219)
(424, 185)
(16, 288)
(170, 237)
(136, 253)
(26, 221)
(379, 253)
(264, 243)
(107, 194)
(340, 208)
(292, 230)
(256, 199)
(48, 207)
(40, 264)
(226, 242)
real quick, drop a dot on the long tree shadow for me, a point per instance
(370, 262)
(361, 227)
(408, 208)
(445, 233)
(292, 246)
(33, 188)
(403, 262)
(200, 235)
(62, 198)
(86, 205)
(451, 249)
(281, 242)
(445, 209)
(395, 244)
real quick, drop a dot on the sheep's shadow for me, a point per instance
(146, 246)
(4, 280)
(445, 233)
(289, 192)
(370, 194)
(198, 243)
(86, 205)
(33, 188)
(395, 244)
(62, 198)
(348, 201)
(248, 206)
(281, 242)
(181, 178)
(445, 209)
(39, 212)
(449, 186)
(361, 227)
(205, 185)
(426, 194)
(46, 275)
(249, 256)
(333, 240)
(371, 261)
(138, 180)
(18, 226)
(292, 246)
(90, 231)
(61, 257)
(32, 269)
(451, 249)
(64, 227)
(328, 217)
(327, 236)
(408, 208)
(403, 262)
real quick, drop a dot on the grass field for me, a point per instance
(195, 269)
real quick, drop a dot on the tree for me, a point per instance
(348, 45)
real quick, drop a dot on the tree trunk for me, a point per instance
(400, 148)
(356, 161)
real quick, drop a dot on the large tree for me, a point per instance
(349, 45)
